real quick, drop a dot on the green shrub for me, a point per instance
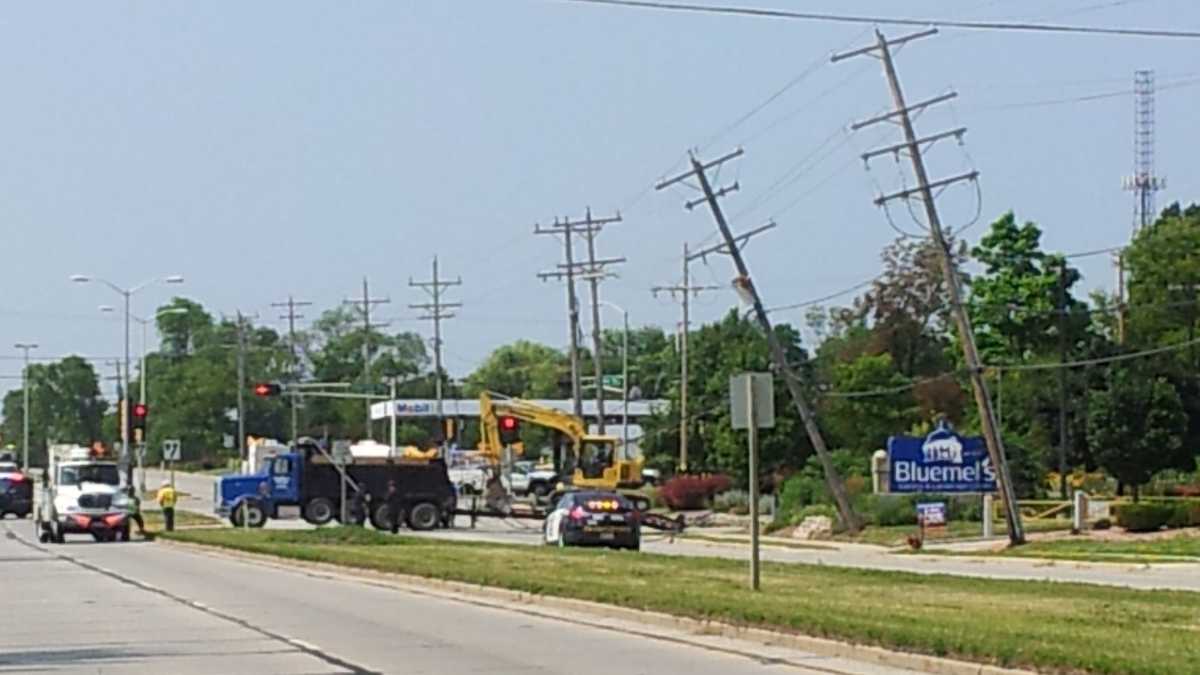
(732, 500)
(1143, 516)
(1187, 514)
(815, 510)
(1102, 524)
(888, 509)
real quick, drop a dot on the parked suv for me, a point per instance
(16, 491)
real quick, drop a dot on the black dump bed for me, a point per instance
(416, 481)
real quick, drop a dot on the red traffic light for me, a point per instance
(267, 389)
(140, 410)
(509, 432)
(508, 423)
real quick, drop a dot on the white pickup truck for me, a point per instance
(521, 480)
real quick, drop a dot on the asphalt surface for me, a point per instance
(1178, 576)
(140, 607)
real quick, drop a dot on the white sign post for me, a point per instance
(752, 404)
(172, 451)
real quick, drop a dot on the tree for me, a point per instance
(1014, 305)
(1136, 424)
(523, 369)
(863, 423)
(65, 406)
(716, 352)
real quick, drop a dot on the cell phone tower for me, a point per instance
(1143, 183)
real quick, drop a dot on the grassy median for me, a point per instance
(1050, 626)
(1184, 548)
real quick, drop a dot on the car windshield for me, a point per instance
(89, 473)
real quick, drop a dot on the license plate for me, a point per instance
(618, 518)
(608, 535)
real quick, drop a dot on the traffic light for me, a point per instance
(140, 412)
(266, 389)
(510, 430)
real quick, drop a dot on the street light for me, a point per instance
(624, 376)
(127, 294)
(25, 386)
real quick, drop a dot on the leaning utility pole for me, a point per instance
(912, 146)
(436, 311)
(593, 270)
(746, 289)
(1062, 379)
(365, 304)
(291, 317)
(685, 290)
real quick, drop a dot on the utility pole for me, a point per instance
(1062, 379)
(25, 346)
(365, 304)
(435, 312)
(685, 291)
(291, 317)
(593, 270)
(241, 386)
(747, 291)
(912, 146)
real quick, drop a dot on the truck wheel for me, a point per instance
(249, 513)
(423, 516)
(318, 511)
(380, 520)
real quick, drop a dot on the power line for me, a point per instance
(1017, 26)
(825, 298)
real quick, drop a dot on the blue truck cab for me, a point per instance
(301, 481)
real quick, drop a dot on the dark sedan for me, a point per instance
(594, 518)
(16, 494)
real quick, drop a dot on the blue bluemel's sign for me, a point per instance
(943, 461)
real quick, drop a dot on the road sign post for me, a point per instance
(341, 457)
(752, 404)
(172, 451)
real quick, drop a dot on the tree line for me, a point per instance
(884, 363)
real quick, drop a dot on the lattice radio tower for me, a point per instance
(1143, 183)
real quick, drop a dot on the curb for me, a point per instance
(504, 599)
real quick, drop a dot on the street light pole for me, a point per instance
(127, 294)
(26, 346)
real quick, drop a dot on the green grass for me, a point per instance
(896, 535)
(1177, 549)
(154, 520)
(1055, 627)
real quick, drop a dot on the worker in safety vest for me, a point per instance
(135, 509)
(166, 500)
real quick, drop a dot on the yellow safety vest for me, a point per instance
(166, 497)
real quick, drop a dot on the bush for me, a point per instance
(693, 492)
(808, 485)
(1143, 516)
(1186, 514)
(816, 510)
(1102, 524)
(732, 500)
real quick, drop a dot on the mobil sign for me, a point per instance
(943, 461)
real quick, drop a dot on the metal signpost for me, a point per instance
(341, 457)
(752, 407)
(172, 451)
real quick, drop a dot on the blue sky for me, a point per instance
(269, 148)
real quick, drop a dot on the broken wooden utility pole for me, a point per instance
(746, 289)
(925, 192)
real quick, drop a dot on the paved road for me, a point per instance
(1180, 576)
(142, 607)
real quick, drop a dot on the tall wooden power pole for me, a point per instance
(685, 291)
(291, 304)
(435, 311)
(912, 146)
(364, 305)
(746, 289)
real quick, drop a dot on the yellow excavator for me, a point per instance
(594, 461)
